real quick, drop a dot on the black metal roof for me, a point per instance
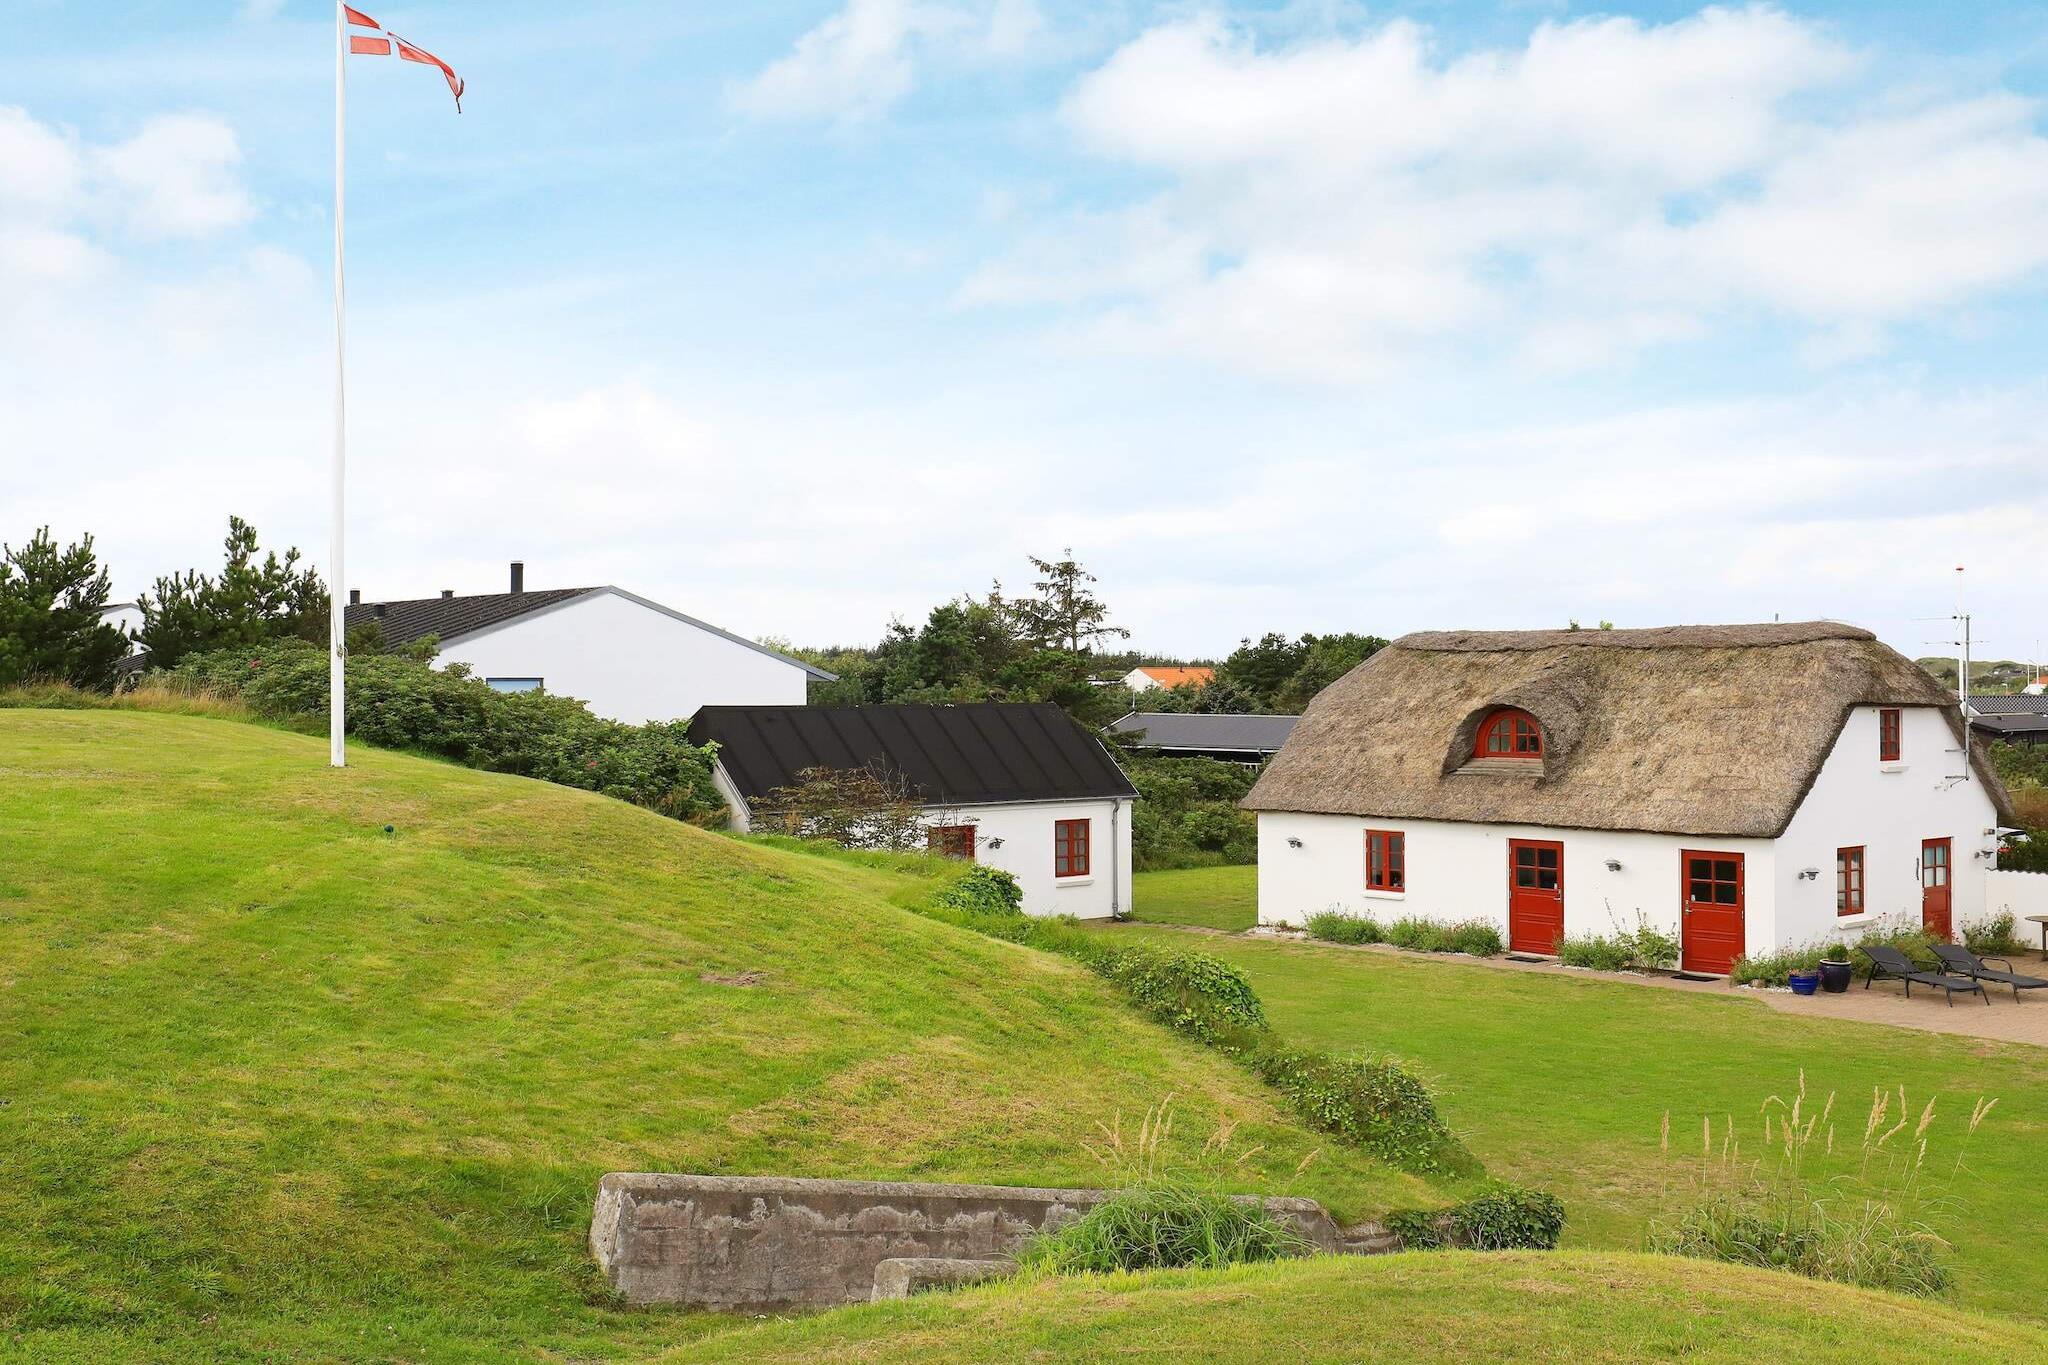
(1212, 733)
(2013, 723)
(2017, 705)
(984, 753)
(453, 617)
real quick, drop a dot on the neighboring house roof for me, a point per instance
(2010, 726)
(1698, 730)
(986, 753)
(451, 618)
(1177, 677)
(2001, 705)
(1212, 733)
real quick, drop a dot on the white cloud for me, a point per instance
(860, 61)
(177, 177)
(1334, 205)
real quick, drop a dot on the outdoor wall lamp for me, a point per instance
(996, 842)
(1614, 864)
(1807, 874)
(1294, 843)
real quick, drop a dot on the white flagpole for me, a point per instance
(337, 574)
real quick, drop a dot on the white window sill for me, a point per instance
(1372, 895)
(1891, 767)
(1073, 881)
(1856, 921)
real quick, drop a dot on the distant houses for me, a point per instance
(2021, 718)
(1741, 788)
(630, 658)
(1019, 786)
(1231, 738)
(1154, 677)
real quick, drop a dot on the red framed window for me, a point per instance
(1888, 734)
(1386, 860)
(1849, 881)
(950, 841)
(1070, 848)
(1509, 733)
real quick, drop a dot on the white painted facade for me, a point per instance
(1459, 871)
(2018, 894)
(630, 659)
(1018, 838)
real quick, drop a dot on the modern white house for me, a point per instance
(1018, 786)
(1743, 788)
(631, 659)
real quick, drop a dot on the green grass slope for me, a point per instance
(1425, 1308)
(1561, 1081)
(275, 1085)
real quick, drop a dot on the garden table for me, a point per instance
(2041, 920)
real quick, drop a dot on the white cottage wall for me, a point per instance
(630, 662)
(1887, 809)
(1459, 871)
(1026, 852)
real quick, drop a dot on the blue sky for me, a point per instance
(1284, 316)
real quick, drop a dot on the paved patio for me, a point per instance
(2004, 1020)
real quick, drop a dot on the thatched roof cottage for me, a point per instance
(1743, 787)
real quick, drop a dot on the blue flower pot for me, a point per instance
(1804, 983)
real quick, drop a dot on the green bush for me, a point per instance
(402, 703)
(1993, 937)
(1334, 926)
(1165, 1227)
(1473, 936)
(1644, 948)
(1197, 994)
(1378, 1104)
(1502, 1217)
(983, 889)
(1188, 814)
(1869, 1246)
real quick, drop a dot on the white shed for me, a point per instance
(1019, 786)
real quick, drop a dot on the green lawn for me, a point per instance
(1206, 897)
(1563, 1083)
(276, 1085)
(1425, 1308)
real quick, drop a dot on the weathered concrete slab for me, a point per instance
(748, 1243)
(906, 1275)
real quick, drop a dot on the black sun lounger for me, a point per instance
(1892, 962)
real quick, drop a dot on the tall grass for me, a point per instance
(1858, 1211)
(1177, 1220)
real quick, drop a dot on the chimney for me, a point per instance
(377, 610)
(519, 575)
(447, 592)
(355, 597)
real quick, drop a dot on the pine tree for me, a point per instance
(51, 605)
(250, 603)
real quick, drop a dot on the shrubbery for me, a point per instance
(401, 703)
(1870, 1246)
(1377, 1104)
(1993, 936)
(1199, 995)
(1188, 815)
(1502, 1217)
(1165, 1227)
(1642, 949)
(1335, 926)
(1472, 936)
(983, 889)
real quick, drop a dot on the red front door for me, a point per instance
(1934, 892)
(1535, 895)
(1711, 929)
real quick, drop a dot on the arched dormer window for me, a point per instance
(1509, 733)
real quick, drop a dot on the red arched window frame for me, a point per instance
(1509, 733)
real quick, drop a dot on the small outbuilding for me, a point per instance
(1019, 786)
(1743, 788)
(1250, 740)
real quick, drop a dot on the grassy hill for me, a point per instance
(277, 1084)
(1418, 1309)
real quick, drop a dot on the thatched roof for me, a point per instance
(1714, 730)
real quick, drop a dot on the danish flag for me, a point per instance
(381, 43)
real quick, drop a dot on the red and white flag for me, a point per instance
(383, 41)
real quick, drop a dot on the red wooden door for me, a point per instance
(1711, 925)
(1934, 889)
(1535, 895)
